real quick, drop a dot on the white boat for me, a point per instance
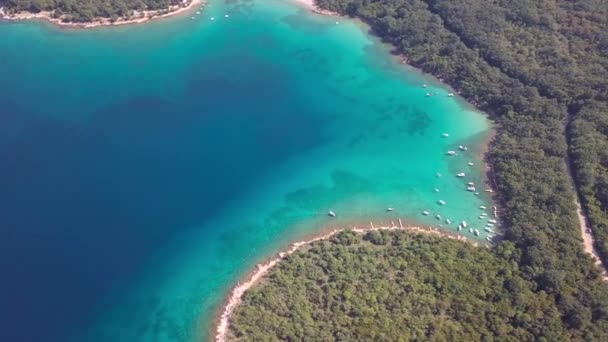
(488, 229)
(193, 18)
(481, 217)
(438, 174)
(484, 214)
(476, 232)
(450, 94)
(441, 202)
(482, 207)
(464, 224)
(471, 188)
(462, 148)
(389, 209)
(331, 213)
(436, 190)
(492, 221)
(445, 135)
(428, 94)
(489, 238)
(490, 224)
(448, 221)
(424, 86)
(470, 163)
(451, 153)
(438, 217)
(425, 213)
(226, 15)
(212, 18)
(470, 230)
(459, 227)
(198, 12)
(471, 184)
(460, 174)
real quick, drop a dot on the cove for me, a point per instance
(145, 169)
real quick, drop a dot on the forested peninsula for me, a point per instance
(540, 69)
(91, 11)
(399, 286)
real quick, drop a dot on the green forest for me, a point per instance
(540, 69)
(87, 10)
(404, 286)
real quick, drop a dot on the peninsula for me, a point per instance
(94, 13)
(392, 285)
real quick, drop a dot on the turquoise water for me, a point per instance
(146, 168)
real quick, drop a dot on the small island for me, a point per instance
(395, 285)
(93, 13)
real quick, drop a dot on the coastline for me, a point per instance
(138, 17)
(313, 7)
(224, 314)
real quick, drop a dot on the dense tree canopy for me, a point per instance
(87, 10)
(400, 286)
(540, 68)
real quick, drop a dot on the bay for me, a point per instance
(145, 169)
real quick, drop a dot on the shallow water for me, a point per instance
(144, 169)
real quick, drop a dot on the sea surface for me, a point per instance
(145, 169)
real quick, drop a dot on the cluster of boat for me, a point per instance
(470, 186)
(212, 18)
(431, 94)
(490, 224)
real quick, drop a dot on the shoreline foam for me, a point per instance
(234, 298)
(140, 17)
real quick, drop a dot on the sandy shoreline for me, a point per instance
(312, 6)
(138, 17)
(235, 295)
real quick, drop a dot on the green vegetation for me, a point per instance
(87, 10)
(400, 286)
(540, 69)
